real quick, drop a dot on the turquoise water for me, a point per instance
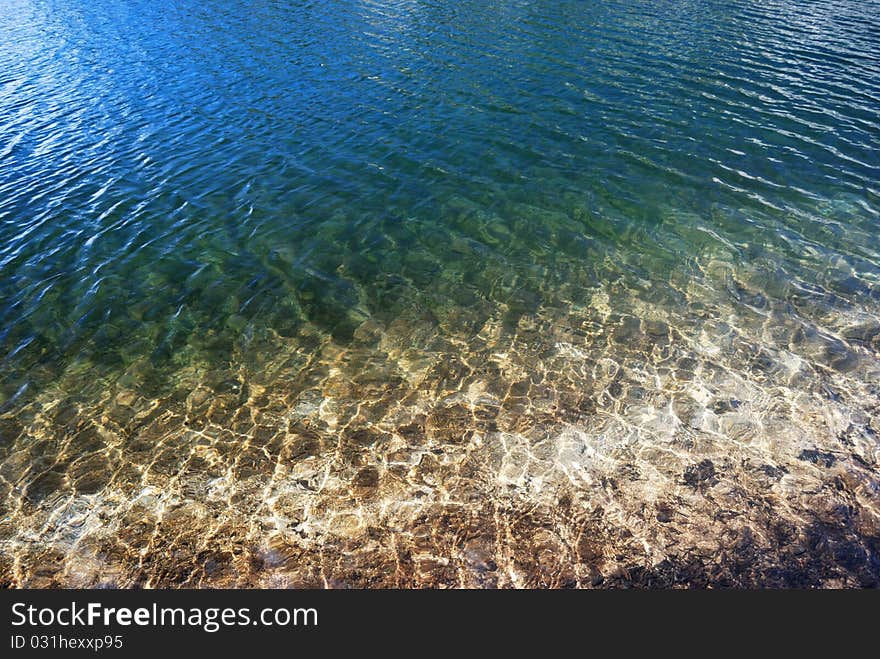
(297, 277)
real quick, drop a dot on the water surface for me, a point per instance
(419, 293)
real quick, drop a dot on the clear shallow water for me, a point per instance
(424, 293)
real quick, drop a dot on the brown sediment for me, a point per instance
(608, 445)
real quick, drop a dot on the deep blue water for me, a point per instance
(168, 164)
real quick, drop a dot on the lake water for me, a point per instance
(424, 293)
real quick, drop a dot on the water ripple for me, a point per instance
(334, 267)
